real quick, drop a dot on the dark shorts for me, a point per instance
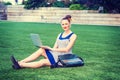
(50, 57)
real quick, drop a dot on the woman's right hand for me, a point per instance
(46, 47)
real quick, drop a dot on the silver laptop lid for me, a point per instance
(36, 39)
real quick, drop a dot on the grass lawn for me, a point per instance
(99, 46)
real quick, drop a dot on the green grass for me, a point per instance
(99, 46)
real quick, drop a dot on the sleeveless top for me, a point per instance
(62, 42)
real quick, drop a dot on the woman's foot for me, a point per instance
(15, 63)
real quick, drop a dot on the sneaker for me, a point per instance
(15, 63)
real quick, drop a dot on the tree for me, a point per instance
(32, 4)
(111, 6)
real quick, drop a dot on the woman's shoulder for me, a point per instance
(59, 35)
(74, 35)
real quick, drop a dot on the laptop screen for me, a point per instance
(36, 39)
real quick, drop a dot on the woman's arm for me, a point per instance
(55, 45)
(71, 43)
(55, 48)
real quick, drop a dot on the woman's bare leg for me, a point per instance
(35, 55)
(37, 64)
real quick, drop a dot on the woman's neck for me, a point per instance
(67, 32)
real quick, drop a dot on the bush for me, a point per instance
(58, 4)
(74, 7)
(7, 3)
(33, 4)
(77, 7)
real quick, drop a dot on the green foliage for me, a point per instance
(7, 3)
(99, 46)
(58, 4)
(111, 6)
(32, 4)
(77, 7)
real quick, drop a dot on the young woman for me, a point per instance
(63, 45)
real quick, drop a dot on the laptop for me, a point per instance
(36, 40)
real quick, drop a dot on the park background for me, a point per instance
(98, 42)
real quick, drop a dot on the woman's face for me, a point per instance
(65, 25)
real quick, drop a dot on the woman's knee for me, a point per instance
(45, 62)
(43, 53)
